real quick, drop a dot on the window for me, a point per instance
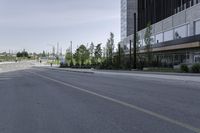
(197, 27)
(143, 42)
(197, 58)
(168, 35)
(188, 30)
(159, 38)
(140, 43)
(181, 32)
(152, 39)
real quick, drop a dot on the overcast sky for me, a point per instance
(35, 25)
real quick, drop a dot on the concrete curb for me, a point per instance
(132, 73)
(144, 72)
(69, 70)
(123, 72)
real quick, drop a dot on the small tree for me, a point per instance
(138, 45)
(98, 53)
(19, 54)
(110, 49)
(43, 54)
(91, 50)
(119, 58)
(82, 54)
(68, 57)
(77, 57)
(148, 41)
(23, 54)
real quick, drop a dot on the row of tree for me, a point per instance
(108, 57)
(93, 56)
(23, 54)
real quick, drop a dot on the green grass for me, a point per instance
(7, 58)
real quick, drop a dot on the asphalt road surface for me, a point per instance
(41, 100)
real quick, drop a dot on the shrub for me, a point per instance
(71, 64)
(184, 68)
(196, 68)
(63, 65)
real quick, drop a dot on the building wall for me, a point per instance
(128, 8)
(123, 19)
(153, 11)
(185, 23)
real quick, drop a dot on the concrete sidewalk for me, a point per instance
(15, 66)
(168, 76)
(2, 63)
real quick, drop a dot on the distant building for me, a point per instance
(175, 28)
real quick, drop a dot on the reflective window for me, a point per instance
(159, 38)
(152, 39)
(140, 43)
(168, 35)
(181, 32)
(143, 42)
(197, 58)
(188, 26)
(197, 27)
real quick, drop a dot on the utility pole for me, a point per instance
(135, 47)
(130, 55)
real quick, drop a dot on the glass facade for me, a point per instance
(168, 35)
(159, 38)
(152, 39)
(197, 27)
(181, 32)
(143, 42)
(154, 11)
(123, 19)
(128, 8)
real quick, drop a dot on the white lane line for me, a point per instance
(4, 79)
(148, 112)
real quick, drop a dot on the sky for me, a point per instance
(37, 25)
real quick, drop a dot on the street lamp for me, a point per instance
(135, 46)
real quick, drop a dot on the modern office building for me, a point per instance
(128, 8)
(175, 28)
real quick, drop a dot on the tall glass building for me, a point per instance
(128, 8)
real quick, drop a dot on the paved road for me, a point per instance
(40, 100)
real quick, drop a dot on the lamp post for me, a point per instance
(130, 55)
(119, 60)
(135, 47)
